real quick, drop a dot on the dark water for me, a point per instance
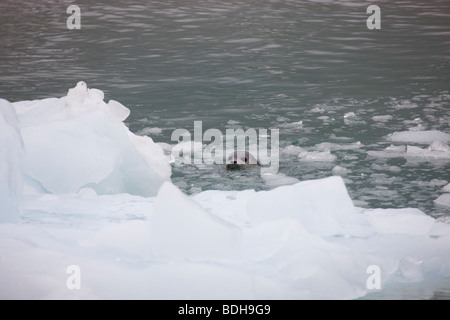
(256, 64)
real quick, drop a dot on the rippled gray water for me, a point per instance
(254, 64)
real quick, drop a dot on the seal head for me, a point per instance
(241, 160)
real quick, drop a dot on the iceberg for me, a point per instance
(400, 221)
(80, 141)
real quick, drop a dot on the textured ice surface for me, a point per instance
(436, 150)
(182, 229)
(11, 153)
(446, 188)
(443, 200)
(304, 202)
(317, 156)
(304, 241)
(400, 221)
(79, 140)
(422, 137)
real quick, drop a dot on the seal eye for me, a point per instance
(235, 162)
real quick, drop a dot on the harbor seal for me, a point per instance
(241, 160)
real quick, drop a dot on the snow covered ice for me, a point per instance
(99, 197)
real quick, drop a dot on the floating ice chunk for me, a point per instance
(434, 182)
(414, 151)
(317, 156)
(393, 148)
(80, 141)
(400, 221)
(349, 115)
(298, 124)
(437, 150)
(292, 126)
(118, 110)
(439, 146)
(126, 238)
(390, 152)
(149, 131)
(446, 188)
(317, 110)
(325, 119)
(406, 104)
(443, 200)
(11, 154)
(340, 171)
(279, 179)
(291, 150)
(334, 137)
(419, 127)
(187, 151)
(414, 121)
(385, 167)
(382, 118)
(324, 146)
(182, 229)
(421, 137)
(323, 207)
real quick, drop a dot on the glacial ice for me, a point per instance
(446, 188)
(400, 221)
(421, 137)
(317, 156)
(182, 229)
(382, 118)
(80, 141)
(11, 153)
(443, 200)
(303, 202)
(437, 150)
